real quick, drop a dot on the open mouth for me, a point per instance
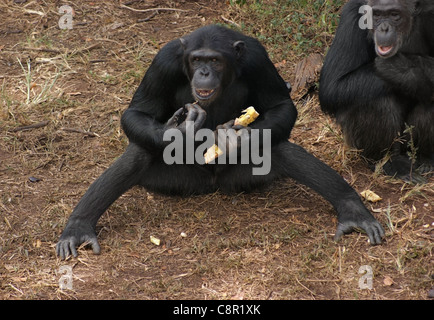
(204, 93)
(384, 50)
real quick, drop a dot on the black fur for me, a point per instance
(249, 79)
(375, 99)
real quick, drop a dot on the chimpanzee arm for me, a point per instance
(268, 93)
(280, 118)
(411, 74)
(348, 71)
(427, 18)
(411, 70)
(153, 102)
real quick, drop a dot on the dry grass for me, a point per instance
(271, 244)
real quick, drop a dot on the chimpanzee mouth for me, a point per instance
(384, 51)
(204, 93)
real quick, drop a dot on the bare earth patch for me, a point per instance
(275, 243)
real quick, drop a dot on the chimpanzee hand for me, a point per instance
(76, 232)
(229, 137)
(352, 215)
(190, 112)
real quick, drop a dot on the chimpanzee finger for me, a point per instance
(200, 119)
(174, 120)
(239, 127)
(93, 242)
(375, 233)
(242, 128)
(243, 134)
(191, 112)
(340, 231)
(66, 247)
(228, 125)
(72, 250)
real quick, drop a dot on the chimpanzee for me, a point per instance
(378, 82)
(205, 80)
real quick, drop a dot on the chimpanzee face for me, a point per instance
(210, 66)
(392, 23)
(206, 68)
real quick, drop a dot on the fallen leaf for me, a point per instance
(37, 243)
(280, 64)
(199, 214)
(388, 281)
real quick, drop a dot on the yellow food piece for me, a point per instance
(212, 153)
(370, 196)
(155, 240)
(250, 115)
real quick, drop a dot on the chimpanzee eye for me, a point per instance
(395, 15)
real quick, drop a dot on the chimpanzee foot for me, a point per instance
(401, 168)
(426, 166)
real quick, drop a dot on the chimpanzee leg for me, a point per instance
(136, 166)
(116, 180)
(374, 128)
(290, 160)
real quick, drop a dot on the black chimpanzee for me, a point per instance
(379, 83)
(212, 74)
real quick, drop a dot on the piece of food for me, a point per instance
(249, 115)
(155, 240)
(212, 153)
(370, 196)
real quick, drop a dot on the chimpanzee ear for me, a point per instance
(183, 43)
(239, 47)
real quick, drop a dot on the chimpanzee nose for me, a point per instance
(204, 72)
(384, 27)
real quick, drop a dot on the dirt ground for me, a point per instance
(275, 243)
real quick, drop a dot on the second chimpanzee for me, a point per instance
(378, 81)
(206, 79)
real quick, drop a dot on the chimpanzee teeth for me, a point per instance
(204, 93)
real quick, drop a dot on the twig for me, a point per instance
(32, 126)
(152, 9)
(91, 47)
(230, 22)
(75, 51)
(97, 60)
(42, 14)
(88, 133)
(148, 18)
(43, 49)
(310, 291)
